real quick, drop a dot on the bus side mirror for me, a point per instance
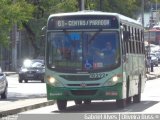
(44, 28)
(126, 36)
(43, 32)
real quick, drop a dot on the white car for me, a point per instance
(3, 85)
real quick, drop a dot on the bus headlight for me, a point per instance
(51, 80)
(114, 80)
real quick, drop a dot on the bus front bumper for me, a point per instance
(95, 93)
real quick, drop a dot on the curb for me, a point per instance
(153, 77)
(25, 108)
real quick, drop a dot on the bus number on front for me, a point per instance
(97, 75)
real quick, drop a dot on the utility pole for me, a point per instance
(142, 12)
(101, 5)
(82, 5)
(14, 47)
(156, 5)
(14, 39)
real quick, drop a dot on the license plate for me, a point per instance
(30, 75)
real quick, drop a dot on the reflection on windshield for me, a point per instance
(83, 50)
(33, 63)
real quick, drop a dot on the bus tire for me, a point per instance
(121, 103)
(129, 100)
(78, 102)
(137, 98)
(61, 104)
(87, 102)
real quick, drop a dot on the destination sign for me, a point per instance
(77, 23)
(83, 22)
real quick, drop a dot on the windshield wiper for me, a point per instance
(93, 36)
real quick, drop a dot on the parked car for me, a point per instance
(32, 70)
(3, 85)
(154, 59)
(157, 53)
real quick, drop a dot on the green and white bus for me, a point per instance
(76, 67)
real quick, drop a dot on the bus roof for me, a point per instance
(89, 12)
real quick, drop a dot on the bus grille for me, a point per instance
(83, 92)
(78, 78)
(81, 84)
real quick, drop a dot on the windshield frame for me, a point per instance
(82, 70)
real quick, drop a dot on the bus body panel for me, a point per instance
(101, 92)
(98, 93)
(135, 69)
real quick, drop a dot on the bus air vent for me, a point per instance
(78, 77)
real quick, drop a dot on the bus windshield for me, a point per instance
(83, 51)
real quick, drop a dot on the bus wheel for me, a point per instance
(129, 100)
(78, 102)
(137, 98)
(61, 104)
(121, 103)
(87, 102)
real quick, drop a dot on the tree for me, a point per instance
(32, 14)
(41, 12)
(44, 8)
(12, 13)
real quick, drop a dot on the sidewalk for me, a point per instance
(14, 107)
(10, 73)
(155, 74)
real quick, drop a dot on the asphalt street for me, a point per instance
(22, 102)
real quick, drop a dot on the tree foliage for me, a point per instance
(11, 13)
(33, 14)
